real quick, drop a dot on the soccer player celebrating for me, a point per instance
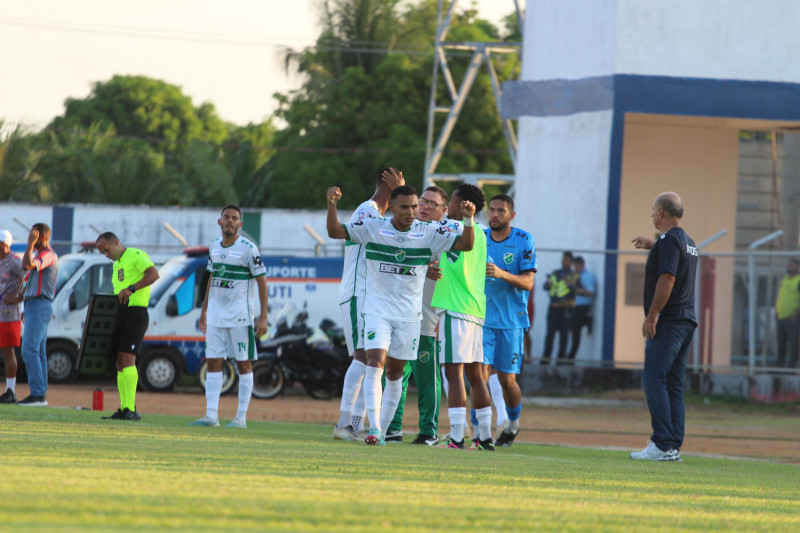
(460, 293)
(228, 314)
(133, 273)
(511, 263)
(398, 252)
(351, 303)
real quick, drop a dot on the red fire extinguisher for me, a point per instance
(97, 399)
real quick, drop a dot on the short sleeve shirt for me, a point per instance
(507, 306)
(11, 275)
(673, 253)
(129, 269)
(232, 296)
(354, 274)
(397, 262)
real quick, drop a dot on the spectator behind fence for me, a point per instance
(787, 311)
(560, 286)
(585, 290)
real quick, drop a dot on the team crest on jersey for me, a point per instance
(424, 356)
(121, 274)
(400, 255)
(508, 257)
(371, 335)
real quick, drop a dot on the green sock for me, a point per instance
(131, 378)
(122, 390)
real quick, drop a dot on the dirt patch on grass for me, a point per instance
(617, 420)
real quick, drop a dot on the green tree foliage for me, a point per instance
(363, 109)
(19, 159)
(142, 108)
(136, 140)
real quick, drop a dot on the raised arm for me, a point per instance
(335, 228)
(467, 239)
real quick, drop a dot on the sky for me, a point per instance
(223, 52)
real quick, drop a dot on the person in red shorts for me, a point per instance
(11, 275)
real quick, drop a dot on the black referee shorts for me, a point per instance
(134, 324)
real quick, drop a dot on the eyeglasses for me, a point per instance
(430, 203)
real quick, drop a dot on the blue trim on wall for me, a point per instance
(612, 234)
(703, 97)
(61, 229)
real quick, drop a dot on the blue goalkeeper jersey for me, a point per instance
(507, 306)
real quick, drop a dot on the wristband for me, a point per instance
(468, 222)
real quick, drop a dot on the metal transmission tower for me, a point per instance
(481, 53)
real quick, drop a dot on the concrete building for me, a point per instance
(623, 99)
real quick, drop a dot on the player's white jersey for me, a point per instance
(397, 262)
(429, 316)
(232, 297)
(354, 273)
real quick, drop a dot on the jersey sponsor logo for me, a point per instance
(528, 255)
(357, 223)
(691, 250)
(223, 283)
(388, 232)
(508, 257)
(398, 269)
(447, 227)
(257, 260)
(361, 215)
(416, 235)
(236, 254)
(121, 274)
(214, 252)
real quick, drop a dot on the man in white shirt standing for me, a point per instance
(228, 314)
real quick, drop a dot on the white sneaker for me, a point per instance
(206, 421)
(346, 433)
(652, 453)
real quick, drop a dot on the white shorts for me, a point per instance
(238, 343)
(460, 341)
(399, 339)
(353, 323)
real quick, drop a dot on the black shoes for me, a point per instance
(124, 414)
(427, 440)
(33, 401)
(506, 438)
(8, 397)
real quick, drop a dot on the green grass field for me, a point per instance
(65, 470)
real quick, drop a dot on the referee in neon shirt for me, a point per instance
(133, 273)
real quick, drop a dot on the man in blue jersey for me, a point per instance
(668, 326)
(510, 269)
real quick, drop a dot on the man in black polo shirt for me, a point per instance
(669, 326)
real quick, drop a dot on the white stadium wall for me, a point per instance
(281, 230)
(622, 99)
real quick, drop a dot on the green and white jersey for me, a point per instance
(397, 262)
(232, 297)
(354, 273)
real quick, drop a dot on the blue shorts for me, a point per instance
(503, 349)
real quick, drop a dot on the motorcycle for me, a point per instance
(317, 358)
